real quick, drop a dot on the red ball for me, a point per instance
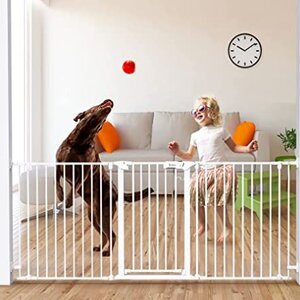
(128, 66)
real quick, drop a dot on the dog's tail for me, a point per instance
(128, 197)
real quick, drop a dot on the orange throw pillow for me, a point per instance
(109, 137)
(244, 133)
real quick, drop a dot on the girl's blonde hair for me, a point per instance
(213, 110)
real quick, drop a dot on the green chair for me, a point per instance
(268, 195)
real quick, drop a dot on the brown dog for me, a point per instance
(90, 182)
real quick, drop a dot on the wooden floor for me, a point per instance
(145, 250)
(180, 291)
(166, 220)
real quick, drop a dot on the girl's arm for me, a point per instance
(185, 155)
(251, 147)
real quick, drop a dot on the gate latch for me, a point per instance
(183, 165)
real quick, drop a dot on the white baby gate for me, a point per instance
(157, 237)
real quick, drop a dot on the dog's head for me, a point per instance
(96, 119)
(94, 109)
(92, 122)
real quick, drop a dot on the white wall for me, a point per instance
(180, 48)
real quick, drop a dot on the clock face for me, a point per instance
(244, 50)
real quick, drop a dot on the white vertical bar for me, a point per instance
(270, 221)
(46, 218)
(55, 222)
(25, 76)
(243, 221)
(187, 234)
(233, 222)
(110, 220)
(5, 149)
(261, 222)
(28, 224)
(157, 216)
(29, 74)
(64, 226)
(20, 226)
(73, 219)
(298, 151)
(215, 221)
(224, 222)
(121, 222)
(37, 220)
(166, 222)
(252, 240)
(175, 218)
(92, 221)
(133, 218)
(100, 218)
(82, 222)
(149, 219)
(141, 217)
(288, 218)
(205, 220)
(279, 219)
(197, 216)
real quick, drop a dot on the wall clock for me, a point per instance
(244, 50)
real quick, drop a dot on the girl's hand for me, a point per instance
(252, 146)
(174, 147)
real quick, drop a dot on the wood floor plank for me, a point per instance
(77, 290)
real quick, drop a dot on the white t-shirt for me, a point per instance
(210, 143)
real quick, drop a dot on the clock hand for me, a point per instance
(240, 48)
(250, 46)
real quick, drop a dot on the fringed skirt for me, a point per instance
(218, 188)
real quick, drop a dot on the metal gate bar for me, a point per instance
(157, 237)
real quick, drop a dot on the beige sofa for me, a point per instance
(145, 137)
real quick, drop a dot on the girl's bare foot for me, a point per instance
(224, 235)
(200, 230)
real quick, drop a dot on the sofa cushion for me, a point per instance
(137, 155)
(109, 137)
(133, 128)
(169, 126)
(244, 133)
(231, 121)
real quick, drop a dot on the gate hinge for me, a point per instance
(295, 267)
(183, 165)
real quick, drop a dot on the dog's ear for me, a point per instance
(79, 116)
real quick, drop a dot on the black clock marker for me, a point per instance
(251, 39)
(244, 37)
(251, 62)
(238, 39)
(233, 57)
(255, 57)
(244, 63)
(238, 62)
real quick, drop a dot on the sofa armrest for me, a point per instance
(263, 153)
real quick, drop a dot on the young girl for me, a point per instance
(210, 142)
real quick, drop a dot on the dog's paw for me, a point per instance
(105, 253)
(69, 204)
(96, 248)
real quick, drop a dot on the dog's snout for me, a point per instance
(108, 102)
